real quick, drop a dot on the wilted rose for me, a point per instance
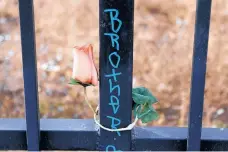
(84, 70)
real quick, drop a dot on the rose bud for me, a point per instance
(84, 70)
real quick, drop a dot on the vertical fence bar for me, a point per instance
(202, 25)
(116, 59)
(29, 73)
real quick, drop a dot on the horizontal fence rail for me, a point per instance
(116, 20)
(68, 134)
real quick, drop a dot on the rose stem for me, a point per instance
(87, 101)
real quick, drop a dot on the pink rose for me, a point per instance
(84, 69)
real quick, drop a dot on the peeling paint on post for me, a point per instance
(116, 59)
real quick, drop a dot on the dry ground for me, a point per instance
(163, 44)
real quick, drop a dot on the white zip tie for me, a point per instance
(129, 127)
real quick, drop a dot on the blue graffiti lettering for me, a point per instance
(114, 18)
(115, 105)
(114, 39)
(114, 59)
(114, 125)
(112, 88)
(112, 148)
(114, 74)
(118, 59)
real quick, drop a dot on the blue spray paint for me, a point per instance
(113, 77)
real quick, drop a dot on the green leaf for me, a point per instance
(146, 110)
(142, 95)
(75, 82)
(153, 115)
(146, 114)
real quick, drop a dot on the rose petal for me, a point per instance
(82, 66)
(94, 80)
(87, 73)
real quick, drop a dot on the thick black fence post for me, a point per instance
(202, 26)
(29, 74)
(116, 58)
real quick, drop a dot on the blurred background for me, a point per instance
(163, 46)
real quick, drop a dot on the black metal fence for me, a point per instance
(116, 39)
